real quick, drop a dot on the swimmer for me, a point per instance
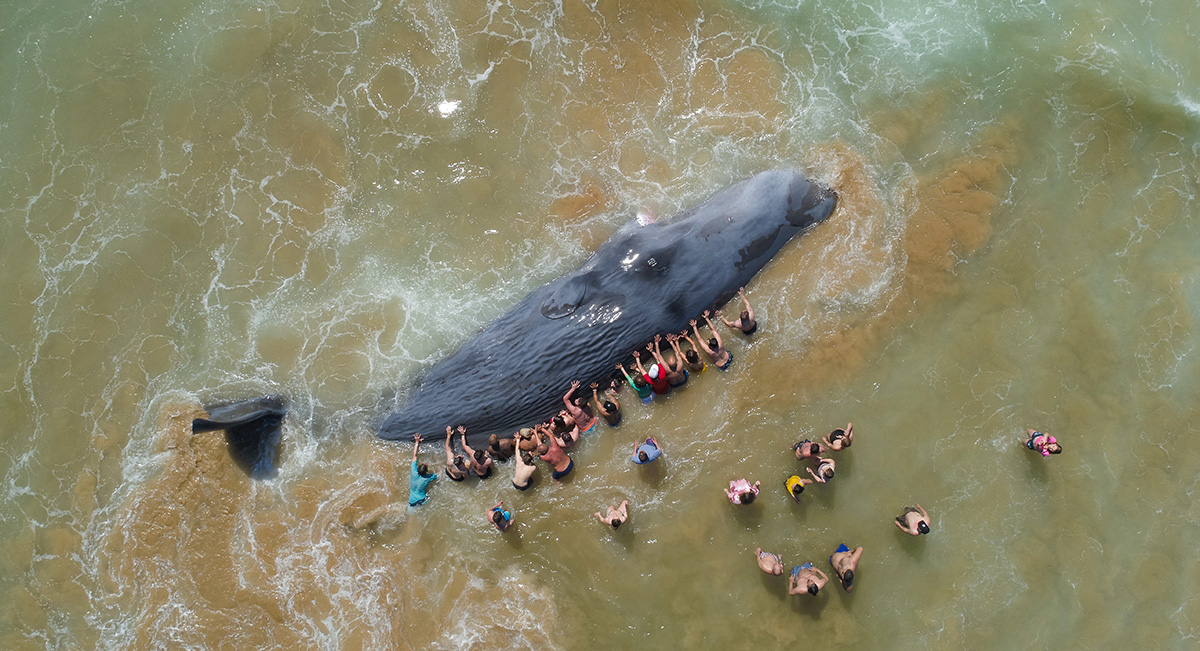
(615, 516)
(741, 491)
(477, 460)
(500, 449)
(745, 322)
(499, 518)
(456, 469)
(1042, 444)
(552, 453)
(825, 469)
(646, 452)
(768, 562)
(806, 449)
(715, 348)
(845, 562)
(583, 420)
(795, 486)
(806, 579)
(419, 477)
(676, 375)
(639, 385)
(840, 439)
(656, 376)
(523, 471)
(609, 408)
(694, 363)
(914, 521)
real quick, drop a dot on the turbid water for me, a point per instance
(204, 202)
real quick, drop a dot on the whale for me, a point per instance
(253, 429)
(646, 279)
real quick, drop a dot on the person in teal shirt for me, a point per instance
(419, 477)
(639, 384)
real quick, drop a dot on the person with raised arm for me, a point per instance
(615, 516)
(647, 451)
(500, 449)
(609, 408)
(564, 429)
(715, 348)
(456, 469)
(694, 363)
(656, 376)
(499, 518)
(839, 439)
(523, 471)
(639, 385)
(583, 420)
(419, 477)
(477, 460)
(676, 373)
(745, 323)
(552, 453)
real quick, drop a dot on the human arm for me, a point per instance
(449, 448)
(621, 368)
(850, 432)
(657, 353)
(599, 405)
(716, 335)
(923, 513)
(416, 445)
(470, 453)
(637, 361)
(699, 340)
(567, 397)
(815, 475)
(624, 510)
(731, 324)
(745, 302)
(902, 527)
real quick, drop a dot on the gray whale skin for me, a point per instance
(644, 280)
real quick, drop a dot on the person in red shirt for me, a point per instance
(656, 377)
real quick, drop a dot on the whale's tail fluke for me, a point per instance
(253, 429)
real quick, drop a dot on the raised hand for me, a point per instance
(657, 338)
(691, 323)
(462, 430)
(594, 385)
(637, 354)
(706, 313)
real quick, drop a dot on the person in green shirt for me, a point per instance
(419, 477)
(639, 384)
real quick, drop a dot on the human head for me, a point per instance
(827, 473)
(479, 456)
(923, 527)
(497, 518)
(746, 498)
(639, 382)
(526, 432)
(642, 456)
(848, 578)
(814, 448)
(580, 402)
(616, 523)
(423, 469)
(691, 357)
(609, 406)
(543, 449)
(812, 588)
(713, 344)
(797, 488)
(745, 316)
(654, 371)
(527, 458)
(1053, 448)
(493, 440)
(559, 423)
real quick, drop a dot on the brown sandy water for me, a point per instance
(203, 204)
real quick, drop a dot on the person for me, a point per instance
(806, 449)
(694, 363)
(679, 360)
(1042, 444)
(840, 439)
(477, 460)
(676, 374)
(499, 518)
(419, 477)
(806, 578)
(456, 469)
(768, 562)
(745, 322)
(583, 420)
(610, 407)
(639, 385)
(655, 377)
(795, 486)
(523, 471)
(716, 350)
(552, 453)
(914, 521)
(741, 491)
(500, 449)
(615, 516)
(525, 442)
(844, 563)
(565, 430)
(825, 469)
(646, 452)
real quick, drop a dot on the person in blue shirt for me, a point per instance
(499, 518)
(419, 477)
(646, 452)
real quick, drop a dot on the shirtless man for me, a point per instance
(840, 439)
(499, 518)
(825, 469)
(525, 442)
(768, 562)
(806, 578)
(806, 449)
(500, 449)
(676, 375)
(715, 348)
(583, 420)
(552, 453)
(745, 322)
(914, 521)
(615, 516)
(523, 471)
(694, 363)
(477, 460)
(564, 430)
(609, 408)
(845, 562)
(456, 469)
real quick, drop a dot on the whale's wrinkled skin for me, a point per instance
(253, 429)
(643, 281)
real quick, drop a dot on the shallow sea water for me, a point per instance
(320, 200)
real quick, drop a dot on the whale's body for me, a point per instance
(644, 280)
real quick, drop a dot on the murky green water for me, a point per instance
(212, 201)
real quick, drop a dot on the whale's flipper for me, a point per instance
(253, 429)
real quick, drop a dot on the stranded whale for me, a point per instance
(643, 281)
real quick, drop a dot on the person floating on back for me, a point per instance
(639, 385)
(647, 451)
(741, 491)
(768, 562)
(615, 517)
(499, 518)
(419, 477)
(609, 408)
(914, 521)
(1043, 444)
(840, 439)
(806, 579)
(745, 323)
(845, 562)
(795, 486)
